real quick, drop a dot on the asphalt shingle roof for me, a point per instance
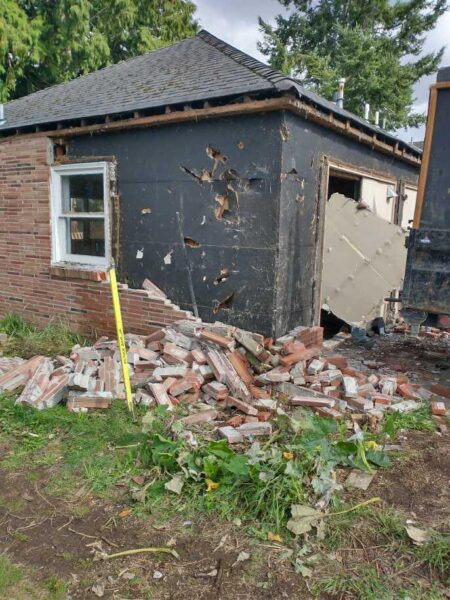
(195, 69)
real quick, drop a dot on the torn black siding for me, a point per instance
(305, 147)
(229, 208)
(222, 177)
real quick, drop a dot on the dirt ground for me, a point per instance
(63, 536)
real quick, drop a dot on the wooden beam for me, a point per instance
(441, 85)
(426, 156)
(177, 116)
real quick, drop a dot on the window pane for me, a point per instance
(82, 193)
(87, 236)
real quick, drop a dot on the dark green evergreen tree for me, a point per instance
(43, 42)
(375, 45)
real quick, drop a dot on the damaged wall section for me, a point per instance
(29, 286)
(199, 212)
(302, 211)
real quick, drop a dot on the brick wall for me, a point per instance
(28, 285)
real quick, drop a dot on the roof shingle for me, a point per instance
(195, 69)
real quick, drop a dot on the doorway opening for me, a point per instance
(347, 184)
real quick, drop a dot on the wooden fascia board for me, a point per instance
(254, 106)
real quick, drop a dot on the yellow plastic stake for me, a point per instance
(121, 338)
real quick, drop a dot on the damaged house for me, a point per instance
(196, 167)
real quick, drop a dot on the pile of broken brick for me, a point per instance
(233, 379)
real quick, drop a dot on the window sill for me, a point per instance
(69, 271)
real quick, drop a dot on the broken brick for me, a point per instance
(160, 395)
(441, 390)
(220, 340)
(231, 434)
(241, 405)
(405, 390)
(89, 400)
(216, 390)
(438, 408)
(235, 421)
(311, 401)
(240, 365)
(204, 416)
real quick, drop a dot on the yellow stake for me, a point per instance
(121, 338)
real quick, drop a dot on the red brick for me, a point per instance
(340, 362)
(438, 408)
(440, 390)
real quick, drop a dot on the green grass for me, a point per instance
(436, 554)
(385, 530)
(420, 420)
(366, 583)
(26, 340)
(82, 445)
(363, 585)
(57, 588)
(16, 585)
(9, 575)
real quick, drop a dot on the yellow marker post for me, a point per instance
(121, 338)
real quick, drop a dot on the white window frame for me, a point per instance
(60, 256)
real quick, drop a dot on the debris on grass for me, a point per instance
(288, 411)
(418, 536)
(225, 378)
(359, 480)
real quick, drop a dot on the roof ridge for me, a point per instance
(242, 58)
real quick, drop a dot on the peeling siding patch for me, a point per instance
(216, 156)
(227, 302)
(190, 243)
(223, 276)
(191, 174)
(222, 201)
(285, 133)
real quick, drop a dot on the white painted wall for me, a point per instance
(408, 206)
(374, 194)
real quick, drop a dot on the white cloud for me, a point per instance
(236, 22)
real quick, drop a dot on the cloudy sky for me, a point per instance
(236, 22)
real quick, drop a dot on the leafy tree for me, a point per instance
(376, 46)
(18, 44)
(61, 39)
